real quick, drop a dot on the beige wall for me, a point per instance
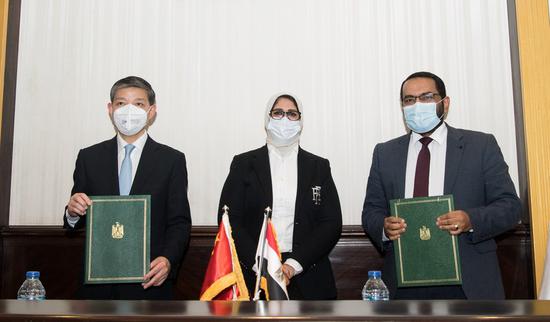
(534, 48)
(3, 33)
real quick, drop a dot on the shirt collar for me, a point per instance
(439, 135)
(139, 143)
(283, 152)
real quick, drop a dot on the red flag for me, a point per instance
(224, 278)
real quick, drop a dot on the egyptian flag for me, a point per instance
(224, 278)
(271, 279)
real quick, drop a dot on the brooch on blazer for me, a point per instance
(316, 192)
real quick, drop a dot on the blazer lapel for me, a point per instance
(306, 168)
(455, 150)
(111, 157)
(145, 166)
(401, 153)
(260, 165)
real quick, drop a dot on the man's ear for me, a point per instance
(446, 104)
(152, 115)
(110, 108)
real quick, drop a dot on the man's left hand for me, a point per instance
(160, 268)
(455, 222)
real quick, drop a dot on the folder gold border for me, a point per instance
(90, 238)
(456, 278)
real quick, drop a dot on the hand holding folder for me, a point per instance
(425, 255)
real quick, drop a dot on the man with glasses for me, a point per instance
(437, 159)
(299, 189)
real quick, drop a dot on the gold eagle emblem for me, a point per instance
(117, 231)
(425, 233)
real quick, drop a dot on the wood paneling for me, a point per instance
(533, 27)
(4, 4)
(8, 109)
(57, 254)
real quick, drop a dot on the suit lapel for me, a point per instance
(400, 173)
(145, 166)
(306, 168)
(455, 150)
(260, 165)
(111, 157)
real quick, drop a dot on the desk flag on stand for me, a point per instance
(268, 266)
(224, 278)
(544, 293)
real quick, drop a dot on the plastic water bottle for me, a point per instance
(375, 289)
(32, 289)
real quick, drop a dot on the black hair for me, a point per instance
(134, 81)
(439, 85)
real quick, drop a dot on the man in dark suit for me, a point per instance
(436, 159)
(298, 186)
(132, 163)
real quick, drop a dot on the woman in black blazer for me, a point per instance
(298, 187)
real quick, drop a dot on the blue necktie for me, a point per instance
(125, 176)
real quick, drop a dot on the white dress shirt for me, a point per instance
(438, 153)
(284, 180)
(283, 163)
(135, 156)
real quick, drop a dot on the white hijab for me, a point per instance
(268, 119)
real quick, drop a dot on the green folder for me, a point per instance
(425, 255)
(117, 239)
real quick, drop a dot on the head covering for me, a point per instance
(268, 118)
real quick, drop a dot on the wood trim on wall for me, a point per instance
(4, 5)
(8, 108)
(533, 28)
(523, 177)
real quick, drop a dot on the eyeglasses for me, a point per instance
(291, 115)
(423, 98)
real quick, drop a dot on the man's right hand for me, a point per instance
(394, 227)
(78, 204)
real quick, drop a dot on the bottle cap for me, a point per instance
(33, 274)
(376, 274)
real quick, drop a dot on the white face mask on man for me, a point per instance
(283, 132)
(129, 119)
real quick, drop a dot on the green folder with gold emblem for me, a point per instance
(425, 255)
(117, 239)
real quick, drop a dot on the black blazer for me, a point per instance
(162, 174)
(477, 176)
(248, 191)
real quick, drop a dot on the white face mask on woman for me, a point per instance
(129, 119)
(283, 132)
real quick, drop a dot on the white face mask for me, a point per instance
(283, 132)
(129, 119)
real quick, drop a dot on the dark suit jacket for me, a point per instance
(162, 174)
(248, 191)
(477, 176)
